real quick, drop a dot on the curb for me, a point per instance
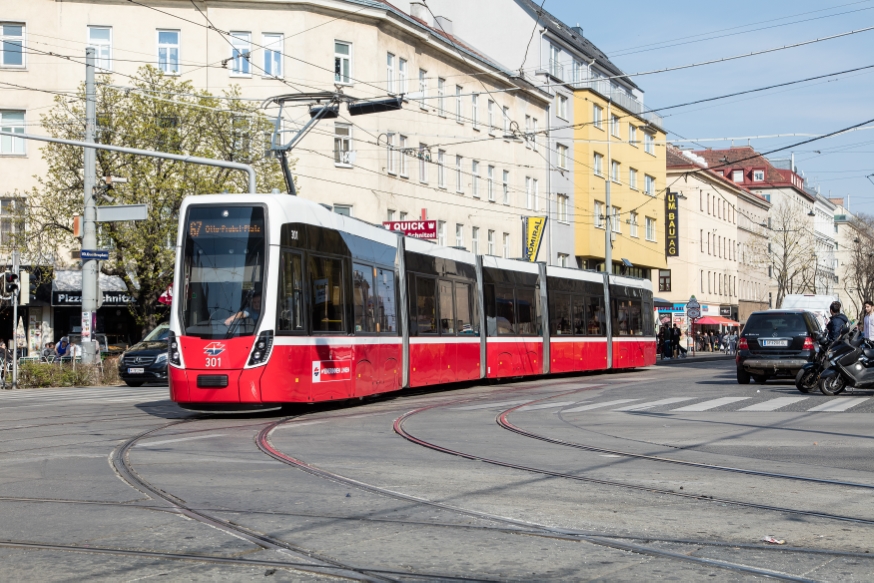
(691, 359)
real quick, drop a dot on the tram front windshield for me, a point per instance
(223, 271)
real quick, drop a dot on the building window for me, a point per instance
(441, 169)
(614, 171)
(529, 195)
(459, 235)
(390, 216)
(649, 185)
(474, 239)
(168, 51)
(459, 106)
(423, 164)
(459, 175)
(390, 73)
(598, 165)
(632, 178)
(505, 186)
(562, 259)
(632, 135)
(9, 224)
(599, 215)
(648, 143)
(597, 116)
(701, 236)
(391, 162)
(12, 44)
(474, 178)
(402, 216)
(737, 176)
(506, 118)
(441, 232)
(402, 156)
(490, 113)
(561, 106)
(664, 280)
(491, 242)
(441, 97)
(474, 110)
(342, 62)
(555, 62)
(535, 194)
(101, 39)
(650, 229)
(241, 48)
(506, 245)
(423, 88)
(632, 224)
(12, 122)
(490, 183)
(342, 144)
(561, 154)
(616, 225)
(578, 72)
(402, 75)
(614, 125)
(561, 210)
(272, 54)
(758, 175)
(343, 209)
(534, 134)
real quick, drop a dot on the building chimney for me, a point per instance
(420, 11)
(577, 30)
(444, 24)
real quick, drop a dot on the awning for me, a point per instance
(662, 303)
(67, 289)
(716, 321)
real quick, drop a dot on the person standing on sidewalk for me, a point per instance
(676, 337)
(867, 324)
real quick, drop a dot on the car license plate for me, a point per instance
(136, 371)
(775, 343)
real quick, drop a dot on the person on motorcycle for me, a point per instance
(836, 322)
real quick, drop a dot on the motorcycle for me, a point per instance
(807, 378)
(854, 368)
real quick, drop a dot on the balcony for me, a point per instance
(620, 98)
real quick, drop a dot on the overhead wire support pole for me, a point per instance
(89, 222)
(149, 153)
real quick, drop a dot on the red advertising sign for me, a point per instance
(325, 371)
(416, 229)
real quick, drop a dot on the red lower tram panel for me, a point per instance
(634, 352)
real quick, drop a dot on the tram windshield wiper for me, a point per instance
(247, 297)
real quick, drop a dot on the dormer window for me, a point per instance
(758, 175)
(737, 176)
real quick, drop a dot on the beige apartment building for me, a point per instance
(846, 236)
(453, 154)
(719, 229)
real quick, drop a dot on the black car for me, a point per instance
(146, 361)
(776, 343)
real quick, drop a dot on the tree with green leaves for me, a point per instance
(160, 113)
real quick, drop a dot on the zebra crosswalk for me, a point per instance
(101, 395)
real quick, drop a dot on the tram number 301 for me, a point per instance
(213, 362)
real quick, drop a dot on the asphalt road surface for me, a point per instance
(668, 473)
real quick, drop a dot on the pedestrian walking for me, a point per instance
(868, 320)
(725, 342)
(668, 344)
(679, 350)
(732, 341)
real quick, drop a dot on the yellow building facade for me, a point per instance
(612, 143)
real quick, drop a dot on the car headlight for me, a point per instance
(161, 358)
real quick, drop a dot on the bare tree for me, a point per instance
(791, 250)
(860, 271)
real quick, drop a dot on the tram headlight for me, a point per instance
(173, 350)
(262, 348)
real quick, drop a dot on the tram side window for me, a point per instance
(326, 294)
(580, 316)
(627, 321)
(290, 293)
(386, 307)
(489, 304)
(527, 312)
(426, 305)
(447, 311)
(363, 298)
(648, 324)
(505, 311)
(596, 324)
(464, 324)
(560, 315)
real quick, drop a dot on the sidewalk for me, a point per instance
(699, 357)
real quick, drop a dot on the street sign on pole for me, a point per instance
(122, 212)
(693, 312)
(88, 254)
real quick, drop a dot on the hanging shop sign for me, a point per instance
(415, 229)
(672, 224)
(532, 233)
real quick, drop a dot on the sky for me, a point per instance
(637, 35)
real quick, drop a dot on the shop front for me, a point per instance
(113, 318)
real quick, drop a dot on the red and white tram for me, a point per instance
(283, 301)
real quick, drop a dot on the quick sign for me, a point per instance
(672, 225)
(532, 234)
(415, 229)
(325, 371)
(110, 298)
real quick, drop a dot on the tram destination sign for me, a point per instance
(415, 229)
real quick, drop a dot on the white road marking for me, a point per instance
(299, 424)
(598, 405)
(839, 404)
(546, 406)
(713, 404)
(654, 404)
(154, 443)
(774, 404)
(490, 405)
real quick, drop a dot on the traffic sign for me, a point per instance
(693, 309)
(122, 212)
(87, 254)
